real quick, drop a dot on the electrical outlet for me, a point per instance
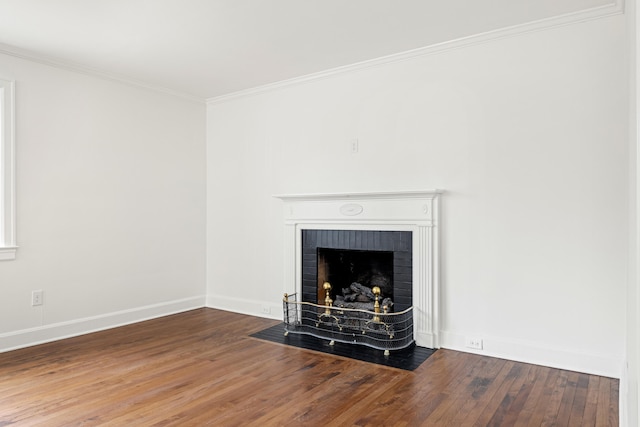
(266, 309)
(36, 298)
(473, 342)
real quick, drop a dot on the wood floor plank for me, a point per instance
(483, 393)
(591, 405)
(566, 403)
(453, 391)
(538, 411)
(202, 368)
(514, 400)
(512, 371)
(553, 407)
(602, 411)
(421, 397)
(528, 398)
(579, 401)
(613, 418)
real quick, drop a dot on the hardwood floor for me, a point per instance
(201, 368)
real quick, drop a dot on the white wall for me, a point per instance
(629, 387)
(111, 204)
(527, 135)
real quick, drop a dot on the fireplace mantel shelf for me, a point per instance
(356, 196)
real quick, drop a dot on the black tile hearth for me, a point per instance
(408, 359)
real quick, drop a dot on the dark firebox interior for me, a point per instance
(342, 267)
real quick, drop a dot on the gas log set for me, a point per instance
(361, 297)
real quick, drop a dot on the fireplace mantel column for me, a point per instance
(426, 296)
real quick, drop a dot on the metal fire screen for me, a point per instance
(380, 330)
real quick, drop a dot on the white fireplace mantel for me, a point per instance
(414, 211)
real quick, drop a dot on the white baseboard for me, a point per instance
(425, 339)
(57, 331)
(519, 351)
(246, 306)
(534, 353)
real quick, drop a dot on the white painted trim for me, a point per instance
(623, 391)
(93, 72)
(57, 331)
(7, 171)
(348, 196)
(614, 8)
(8, 253)
(537, 354)
(249, 307)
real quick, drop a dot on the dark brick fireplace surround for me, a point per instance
(399, 243)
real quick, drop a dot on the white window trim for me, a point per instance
(8, 244)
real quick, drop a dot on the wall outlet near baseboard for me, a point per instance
(473, 342)
(36, 298)
(266, 309)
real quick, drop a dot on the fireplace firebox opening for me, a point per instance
(366, 257)
(353, 274)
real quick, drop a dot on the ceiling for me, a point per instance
(209, 48)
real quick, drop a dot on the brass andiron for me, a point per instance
(375, 320)
(328, 305)
(328, 302)
(376, 305)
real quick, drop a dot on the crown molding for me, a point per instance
(93, 72)
(616, 7)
